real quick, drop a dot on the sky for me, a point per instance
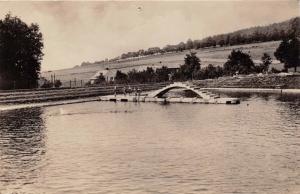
(78, 31)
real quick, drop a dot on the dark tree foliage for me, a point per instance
(149, 75)
(20, 53)
(239, 62)
(189, 44)
(57, 83)
(266, 62)
(47, 84)
(134, 76)
(100, 79)
(162, 74)
(210, 72)
(121, 77)
(288, 53)
(190, 67)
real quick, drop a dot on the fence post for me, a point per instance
(70, 84)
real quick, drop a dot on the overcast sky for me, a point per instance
(89, 31)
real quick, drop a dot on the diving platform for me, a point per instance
(203, 96)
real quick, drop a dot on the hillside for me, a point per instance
(272, 32)
(215, 56)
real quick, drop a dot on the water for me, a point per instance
(106, 147)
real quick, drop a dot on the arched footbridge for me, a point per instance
(203, 96)
(184, 85)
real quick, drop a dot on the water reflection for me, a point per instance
(104, 147)
(22, 144)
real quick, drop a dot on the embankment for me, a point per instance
(38, 96)
(272, 81)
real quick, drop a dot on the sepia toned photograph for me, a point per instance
(150, 97)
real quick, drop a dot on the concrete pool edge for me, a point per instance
(257, 90)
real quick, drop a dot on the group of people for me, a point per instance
(128, 90)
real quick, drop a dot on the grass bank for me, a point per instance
(216, 56)
(38, 96)
(272, 81)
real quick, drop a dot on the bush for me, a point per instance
(239, 62)
(47, 84)
(274, 70)
(57, 83)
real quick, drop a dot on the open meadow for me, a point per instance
(215, 56)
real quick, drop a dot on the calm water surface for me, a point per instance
(106, 147)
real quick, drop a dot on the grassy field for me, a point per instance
(215, 56)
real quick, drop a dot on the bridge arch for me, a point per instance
(166, 90)
(195, 89)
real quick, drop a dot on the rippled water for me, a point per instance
(106, 147)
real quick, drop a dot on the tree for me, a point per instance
(294, 28)
(181, 46)
(239, 62)
(222, 42)
(288, 53)
(121, 77)
(190, 67)
(20, 52)
(149, 74)
(266, 62)
(47, 84)
(100, 79)
(57, 83)
(162, 74)
(189, 44)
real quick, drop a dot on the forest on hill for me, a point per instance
(272, 32)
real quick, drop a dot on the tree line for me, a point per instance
(21, 54)
(237, 62)
(273, 32)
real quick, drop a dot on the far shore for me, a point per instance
(257, 90)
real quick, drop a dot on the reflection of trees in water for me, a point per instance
(290, 107)
(294, 98)
(241, 95)
(22, 144)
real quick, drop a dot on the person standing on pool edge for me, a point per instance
(115, 91)
(124, 91)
